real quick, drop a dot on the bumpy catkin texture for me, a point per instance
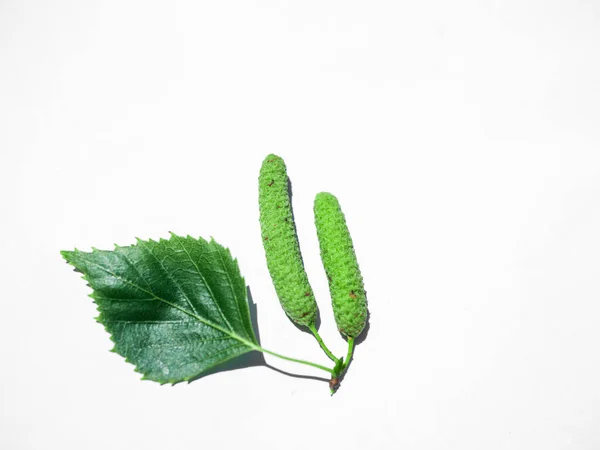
(339, 260)
(281, 243)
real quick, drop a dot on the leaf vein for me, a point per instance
(176, 283)
(237, 302)
(195, 316)
(212, 295)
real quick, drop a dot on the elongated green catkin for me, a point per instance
(339, 260)
(281, 243)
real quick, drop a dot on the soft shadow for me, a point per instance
(252, 359)
(253, 315)
(295, 375)
(304, 328)
(357, 341)
(363, 334)
(318, 317)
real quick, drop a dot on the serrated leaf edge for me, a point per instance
(250, 345)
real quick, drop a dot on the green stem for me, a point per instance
(315, 333)
(349, 355)
(287, 358)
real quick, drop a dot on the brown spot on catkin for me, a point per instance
(307, 294)
(329, 278)
(352, 294)
(266, 238)
(271, 183)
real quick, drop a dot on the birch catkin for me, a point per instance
(281, 243)
(339, 260)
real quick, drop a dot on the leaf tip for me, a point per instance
(66, 255)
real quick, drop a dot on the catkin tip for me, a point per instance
(272, 158)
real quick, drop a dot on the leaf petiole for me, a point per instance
(287, 358)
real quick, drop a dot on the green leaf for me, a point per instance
(175, 308)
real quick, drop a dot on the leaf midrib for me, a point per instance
(193, 315)
(206, 285)
(168, 275)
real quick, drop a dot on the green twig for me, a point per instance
(328, 352)
(349, 355)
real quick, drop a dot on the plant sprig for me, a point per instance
(177, 308)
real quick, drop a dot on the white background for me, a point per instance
(461, 138)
